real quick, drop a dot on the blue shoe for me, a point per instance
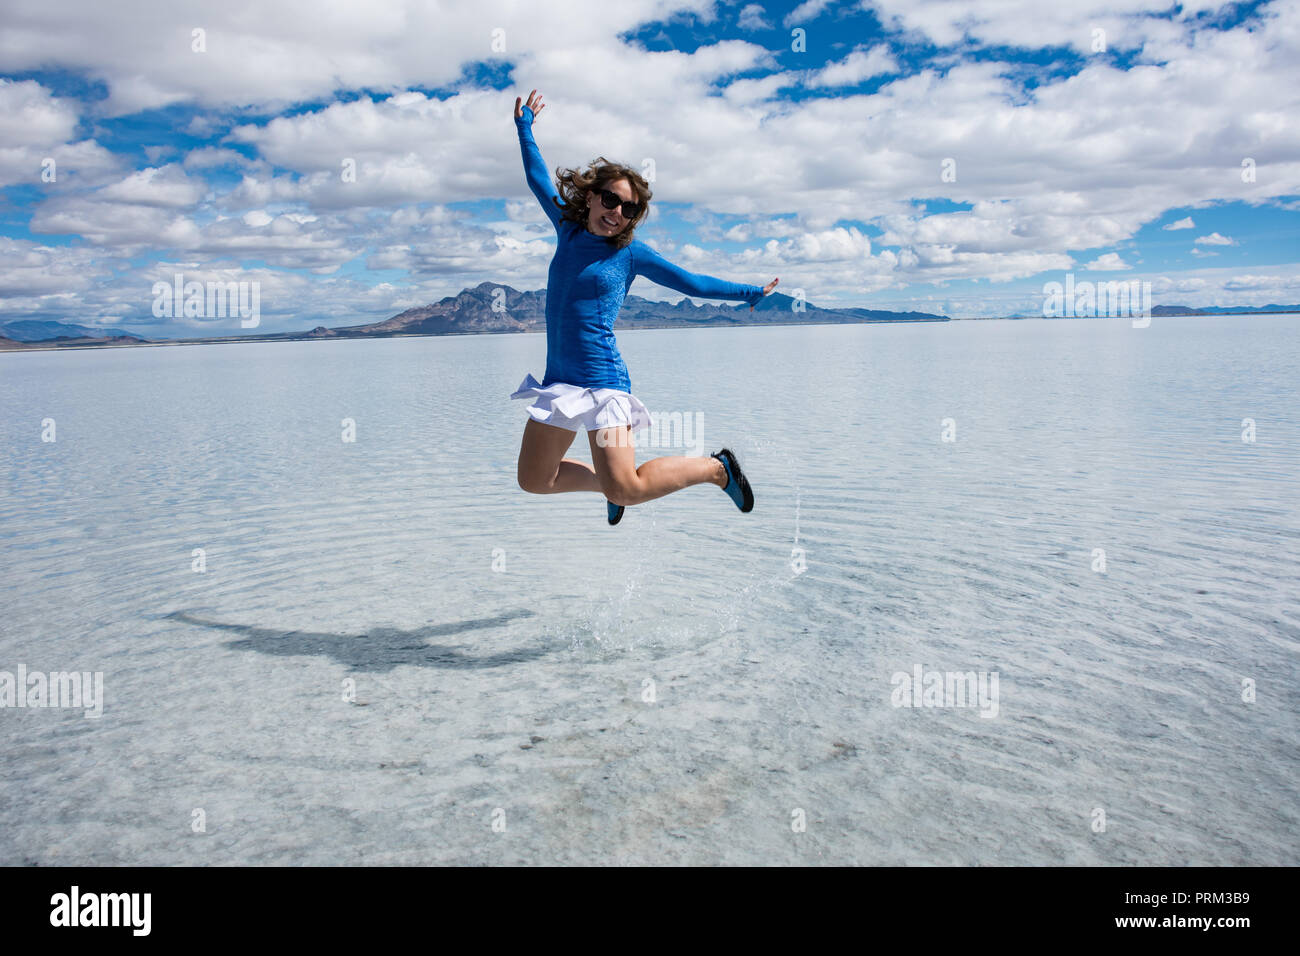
(615, 512)
(737, 485)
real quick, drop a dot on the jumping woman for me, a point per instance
(586, 385)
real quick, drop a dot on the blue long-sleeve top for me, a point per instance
(588, 280)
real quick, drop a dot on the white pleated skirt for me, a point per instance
(575, 408)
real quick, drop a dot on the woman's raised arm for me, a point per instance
(646, 262)
(539, 178)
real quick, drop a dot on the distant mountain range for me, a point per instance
(492, 307)
(1218, 310)
(37, 330)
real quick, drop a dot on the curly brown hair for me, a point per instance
(572, 185)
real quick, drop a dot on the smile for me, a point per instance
(605, 220)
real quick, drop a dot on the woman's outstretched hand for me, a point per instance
(766, 289)
(534, 103)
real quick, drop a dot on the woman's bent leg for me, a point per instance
(625, 484)
(543, 469)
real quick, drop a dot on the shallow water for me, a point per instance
(685, 687)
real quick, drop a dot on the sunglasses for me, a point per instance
(610, 199)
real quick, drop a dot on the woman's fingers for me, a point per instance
(534, 103)
(766, 289)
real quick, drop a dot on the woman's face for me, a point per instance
(609, 222)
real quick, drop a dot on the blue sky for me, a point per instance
(919, 154)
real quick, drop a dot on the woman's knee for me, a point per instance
(534, 484)
(621, 491)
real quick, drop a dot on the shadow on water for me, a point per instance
(380, 649)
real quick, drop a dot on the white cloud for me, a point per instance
(1128, 24)
(30, 270)
(300, 50)
(124, 229)
(1214, 239)
(751, 18)
(209, 156)
(37, 131)
(166, 186)
(31, 116)
(806, 11)
(859, 65)
(1181, 224)
(1198, 288)
(1110, 262)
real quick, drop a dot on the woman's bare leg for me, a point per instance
(543, 469)
(625, 484)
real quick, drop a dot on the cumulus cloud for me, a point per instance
(293, 51)
(806, 11)
(1109, 262)
(30, 270)
(31, 116)
(1214, 239)
(1032, 24)
(207, 157)
(166, 186)
(751, 18)
(124, 229)
(1181, 224)
(38, 144)
(1197, 288)
(861, 64)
